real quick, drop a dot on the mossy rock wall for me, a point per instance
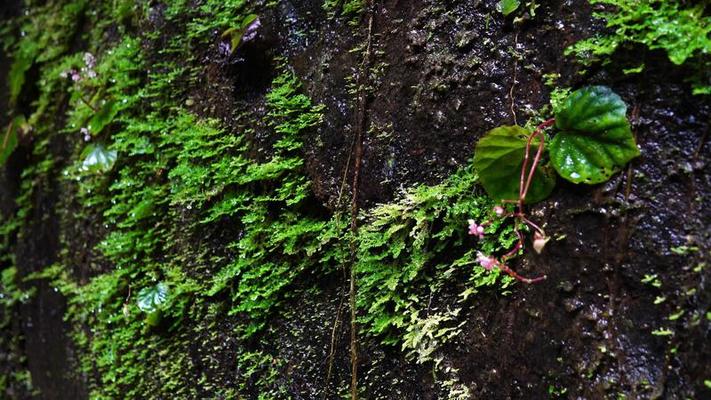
(217, 177)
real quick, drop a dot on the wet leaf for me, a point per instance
(595, 139)
(152, 298)
(506, 7)
(498, 159)
(98, 159)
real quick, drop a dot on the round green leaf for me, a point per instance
(98, 159)
(498, 159)
(595, 139)
(151, 299)
(103, 117)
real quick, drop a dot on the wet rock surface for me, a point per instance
(445, 73)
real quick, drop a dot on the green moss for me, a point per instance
(411, 250)
(346, 8)
(14, 378)
(683, 32)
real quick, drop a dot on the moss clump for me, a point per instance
(683, 32)
(410, 250)
(15, 380)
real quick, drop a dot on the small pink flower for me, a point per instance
(89, 60)
(499, 211)
(488, 263)
(476, 230)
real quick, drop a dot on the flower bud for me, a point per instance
(475, 229)
(499, 211)
(539, 242)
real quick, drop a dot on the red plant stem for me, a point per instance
(526, 181)
(532, 171)
(516, 248)
(530, 223)
(524, 185)
(518, 277)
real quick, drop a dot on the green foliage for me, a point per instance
(498, 159)
(14, 379)
(98, 159)
(683, 32)
(506, 7)
(210, 16)
(278, 240)
(24, 57)
(103, 117)
(47, 35)
(151, 298)
(595, 139)
(410, 250)
(350, 8)
(9, 139)
(235, 34)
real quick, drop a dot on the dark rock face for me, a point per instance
(449, 73)
(442, 74)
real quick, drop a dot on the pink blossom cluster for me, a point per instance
(489, 262)
(87, 71)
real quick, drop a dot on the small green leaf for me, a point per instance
(142, 210)
(103, 117)
(98, 159)
(662, 332)
(9, 138)
(595, 139)
(237, 33)
(152, 298)
(506, 7)
(498, 159)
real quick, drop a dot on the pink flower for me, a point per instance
(89, 60)
(485, 261)
(476, 230)
(499, 211)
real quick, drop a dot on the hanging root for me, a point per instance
(360, 133)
